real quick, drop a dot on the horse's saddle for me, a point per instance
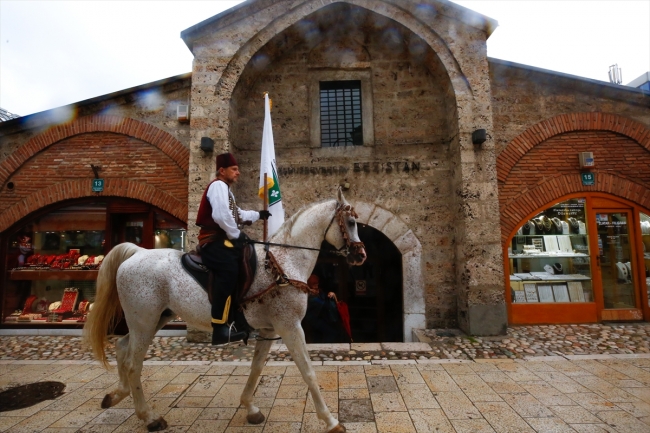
(193, 264)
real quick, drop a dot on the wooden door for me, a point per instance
(616, 278)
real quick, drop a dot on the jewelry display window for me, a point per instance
(549, 257)
(51, 262)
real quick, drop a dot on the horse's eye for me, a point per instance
(351, 223)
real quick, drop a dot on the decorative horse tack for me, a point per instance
(280, 279)
(151, 297)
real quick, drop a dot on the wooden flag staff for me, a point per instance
(266, 208)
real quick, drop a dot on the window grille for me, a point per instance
(340, 113)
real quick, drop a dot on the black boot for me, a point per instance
(222, 334)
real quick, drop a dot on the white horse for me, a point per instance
(151, 287)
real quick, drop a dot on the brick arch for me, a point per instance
(226, 85)
(79, 189)
(554, 189)
(148, 133)
(563, 123)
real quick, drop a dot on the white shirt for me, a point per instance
(218, 196)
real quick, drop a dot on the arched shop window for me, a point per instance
(52, 259)
(581, 260)
(549, 257)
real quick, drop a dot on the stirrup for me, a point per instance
(231, 329)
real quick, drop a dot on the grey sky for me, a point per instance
(54, 53)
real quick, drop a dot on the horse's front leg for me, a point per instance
(262, 348)
(294, 338)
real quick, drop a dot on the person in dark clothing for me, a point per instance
(322, 319)
(221, 243)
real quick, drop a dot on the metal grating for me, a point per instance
(340, 113)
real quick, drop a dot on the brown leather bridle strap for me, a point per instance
(274, 268)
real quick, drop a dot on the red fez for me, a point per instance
(313, 279)
(226, 160)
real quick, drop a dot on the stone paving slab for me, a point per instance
(391, 396)
(573, 378)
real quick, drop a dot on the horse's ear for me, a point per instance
(339, 194)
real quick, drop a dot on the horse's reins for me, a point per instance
(274, 268)
(340, 209)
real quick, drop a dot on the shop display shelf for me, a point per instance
(71, 275)
(546, 256)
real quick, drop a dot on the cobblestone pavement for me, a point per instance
(520, 342)
(545, 394)
(583, 378)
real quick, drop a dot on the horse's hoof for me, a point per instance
(256, 418)
(157, 425)
(338, 429)
(106, 402)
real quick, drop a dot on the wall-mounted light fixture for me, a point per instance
(183, 113)
(587, 160)
(207, 144)
(479, 136)
(95, 169)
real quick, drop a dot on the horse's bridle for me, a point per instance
(342, 210)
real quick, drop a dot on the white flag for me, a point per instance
(269, 168)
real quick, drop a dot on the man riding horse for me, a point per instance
(221, 242)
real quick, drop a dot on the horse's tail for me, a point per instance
(106, 308)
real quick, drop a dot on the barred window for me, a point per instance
(340, 113)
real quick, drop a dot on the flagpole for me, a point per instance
(266, 207)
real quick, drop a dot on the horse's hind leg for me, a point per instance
(294, 338)
(122, 353)
(123, 390)
(139, 344)
(262, 348)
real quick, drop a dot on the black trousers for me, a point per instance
(224, 262)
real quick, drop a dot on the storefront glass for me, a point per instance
(549, 257)
(616, 264)
(645, 244)
(53, 260)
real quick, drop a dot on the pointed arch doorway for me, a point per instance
(373, 291)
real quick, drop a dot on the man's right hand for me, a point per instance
(264, 215)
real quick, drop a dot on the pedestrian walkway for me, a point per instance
(400, 387)
(519, 343)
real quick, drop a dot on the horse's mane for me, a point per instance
(287, 226)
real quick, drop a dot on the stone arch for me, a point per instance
(79, 189)
(226, 84)
(560, 186)
(148, 133)
(563, 123)
(413, 296)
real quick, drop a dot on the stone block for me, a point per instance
(363, 209)
(394, 229)
(413, 321)
(197, 336)
(407, 242)
(486, 320)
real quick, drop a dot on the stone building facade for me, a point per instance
(447, 206)
(424, 74)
